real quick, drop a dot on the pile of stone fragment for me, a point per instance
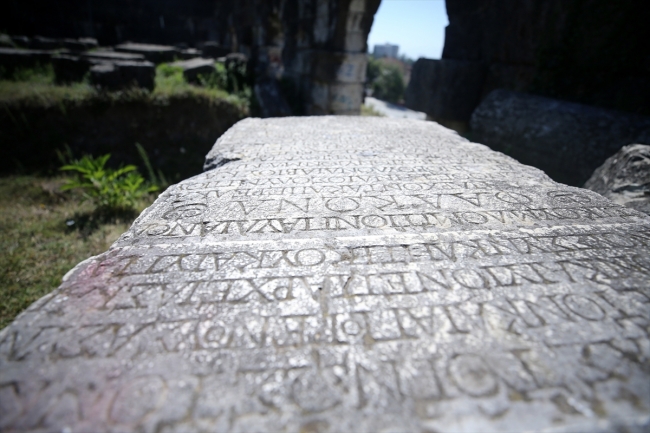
(110, 68)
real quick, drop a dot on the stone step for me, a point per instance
(195, 67)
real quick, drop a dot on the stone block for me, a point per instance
(69, 69)
(153, 53)
(13, 58)
(120, 75)
(6, 42)
(213, 50)
(43, 43)
(112, 56)
(20, 41)
(448, 90)
(566, 140)
(189, 53)
(194, 67)
(339, 66)
(302, 63)
(106, 76)
(81, 44)
(355, 41)
(89, 43)
(347, 274)
(345, 98)
(236, 60)
(624, 178)
(319, 97)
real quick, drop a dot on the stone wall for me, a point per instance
(588, 51)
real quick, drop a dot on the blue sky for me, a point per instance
(417, 26)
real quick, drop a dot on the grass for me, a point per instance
(45, 233)
(36, 87)
(369, 111)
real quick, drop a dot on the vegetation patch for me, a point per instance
(177, 123)
(386, 80)
(45, 233)
(49, 222)
(369, 111)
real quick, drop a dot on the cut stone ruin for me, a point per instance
(625, 178)
(123, 74)
(347, 274)
(153, 53)
(109, 70)
(194, 68)
(14, 58)
(566, 140)
(127, 65)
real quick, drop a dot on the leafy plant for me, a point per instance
(230, 76)
(217, 79)
(169, 77)
(110, 190)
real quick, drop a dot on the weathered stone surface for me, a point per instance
(446, 90)
(566, 140)
(80, 44)
(151, 52)
(123, 74)
(213, 50)
(348, 274)
(189, 53)
(194, 67)
(68, 69)
(625, 178)
(43, 43)
(20, 41)
(110, 56)
(12, 58)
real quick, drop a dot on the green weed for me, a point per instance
(109, 190)
(216, 80)
(169, 78)
(231, 78)
(369, 111)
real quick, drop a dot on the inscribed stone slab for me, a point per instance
(347, 274)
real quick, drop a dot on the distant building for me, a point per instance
(386, 50)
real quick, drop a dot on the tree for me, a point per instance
(386, 81)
